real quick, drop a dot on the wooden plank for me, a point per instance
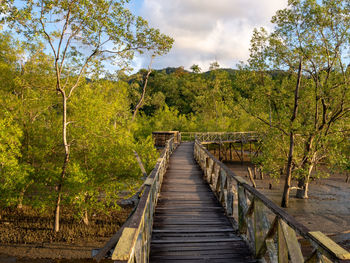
(226, 251)
(251, 177)
(149, 181)
(242, 208)
(241, 245)
(261, 225)
(198, 240)
(337, 250)
(292, 243)
(193, 231)
(268, 243)
(201, 261)
(282, 246)
(125, 244)
(189, 222)
(205, 258)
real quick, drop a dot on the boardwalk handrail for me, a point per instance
(277, 238)
(221, 136)
(134, 242)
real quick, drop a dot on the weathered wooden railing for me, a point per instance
(133, 240)
(273, 235)
(160, 137)
(220, 136)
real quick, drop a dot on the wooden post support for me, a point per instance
(337, 250)
(292, 243)
(259, 227)
(282, 246)
(125, 244)
(251, 177)
(257, 230)
(143, 170)
(230, 197)
(242, 208)
(255, 172)
(250, 150)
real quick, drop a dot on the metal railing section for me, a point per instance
(272, 234)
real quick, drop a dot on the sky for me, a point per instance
(205, 30)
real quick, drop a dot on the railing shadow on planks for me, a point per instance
(132, 242)
(272, 234)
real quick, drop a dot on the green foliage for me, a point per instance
(13, 174)
(87, 31)
(195, 68)
(180, 100)
(96, 143)
(102, 138)
(316, 33)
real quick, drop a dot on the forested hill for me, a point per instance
(182, 90)
(190, 92)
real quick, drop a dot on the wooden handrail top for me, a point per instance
(143, 215)
(137, 216)
(279, 212)
(253, 132)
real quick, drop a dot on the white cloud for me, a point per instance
(208, 30)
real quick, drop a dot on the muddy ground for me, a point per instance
(27, 236)
(327, 209)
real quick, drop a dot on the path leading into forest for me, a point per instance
(190, 224)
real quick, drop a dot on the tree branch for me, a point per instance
(140, 103)
(264, 121)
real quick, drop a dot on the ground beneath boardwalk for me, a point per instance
(327, 209)
(27, 236)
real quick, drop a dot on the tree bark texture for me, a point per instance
(65, 162)
(287, 184)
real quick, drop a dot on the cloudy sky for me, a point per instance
(206, 30)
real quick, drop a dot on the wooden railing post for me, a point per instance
(230, 197)
(278, 240)
(282, 246)
(134, 242)
(242, 209)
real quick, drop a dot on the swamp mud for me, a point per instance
(327, 209)
(27, 236)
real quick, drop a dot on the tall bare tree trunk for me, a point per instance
(65, 162)
(141, 101)
(287, 184)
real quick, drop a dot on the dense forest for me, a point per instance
(68, 135)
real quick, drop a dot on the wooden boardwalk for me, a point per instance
(189, 223)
